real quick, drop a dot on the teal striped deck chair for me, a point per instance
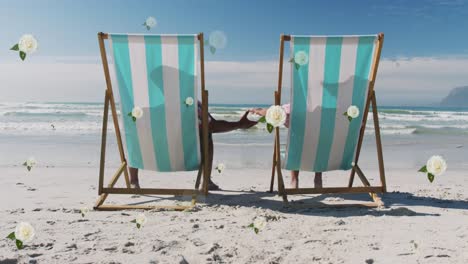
(159, 75)
(337, 72)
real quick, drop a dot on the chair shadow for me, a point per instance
(396, 203)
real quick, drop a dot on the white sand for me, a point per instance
(422, 223)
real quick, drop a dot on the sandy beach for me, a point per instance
(421, 223)
(173, 72)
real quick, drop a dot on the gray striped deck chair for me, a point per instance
(157, 74)
(336, 72)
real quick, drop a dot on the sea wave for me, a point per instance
(34, 117)
(423, 118)
(67, 127)
(58, 114)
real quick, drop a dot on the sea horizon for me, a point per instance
(387, 106)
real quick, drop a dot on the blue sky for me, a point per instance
(413, 29)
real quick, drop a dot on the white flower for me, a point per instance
(260, 223)
(217, 39)
(84, 211)
(301, 58)
(150, 22)
(189, 101)
(24, 232)
(275, 116)
(27, 44)
(436, 165)
(137, 112)
(140, 220)
(352, 111)
(220, 167)
(31, 161)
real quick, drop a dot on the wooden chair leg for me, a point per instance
(272, 181)
(197, 182)
(281, 188)
(102, 160)
(378, 142)
(366, 183)
(103, 196)
(351, 178)
(206, 161)
(194, 200)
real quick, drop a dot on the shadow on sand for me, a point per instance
(396, 203)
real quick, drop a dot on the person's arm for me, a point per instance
(221, 126)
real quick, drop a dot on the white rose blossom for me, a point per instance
(301, 58)
(27, 44)
(260, 223)
(353, 111)
(24, 232)
(84, 211)
(137, 112)
(436, 165)
(275, 116)
(30, 162)
(150, 23)
(189, 101)
(220, 167)
(140, 220)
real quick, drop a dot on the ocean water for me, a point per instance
(74, 129)
(86, 118)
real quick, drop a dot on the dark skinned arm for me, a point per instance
(221, 126)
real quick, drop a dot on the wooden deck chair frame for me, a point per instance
(104, 191)
(371, 99)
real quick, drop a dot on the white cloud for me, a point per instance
(419, 80)
(400, 81)
(49, 81)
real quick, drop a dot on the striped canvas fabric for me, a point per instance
(157, 73)
(337, 74)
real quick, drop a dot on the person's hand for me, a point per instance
(258, 111)
(245, 123)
